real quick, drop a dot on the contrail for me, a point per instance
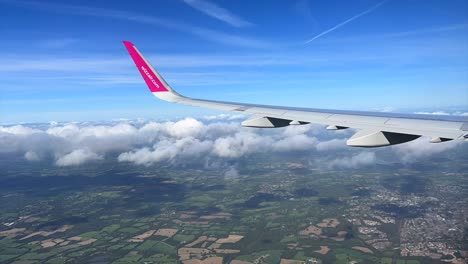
(346, 21)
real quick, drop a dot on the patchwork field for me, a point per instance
(283, 213)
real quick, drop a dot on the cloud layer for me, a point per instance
(207, 140)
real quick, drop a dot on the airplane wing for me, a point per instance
(374, 129)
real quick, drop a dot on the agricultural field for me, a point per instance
(272, 211)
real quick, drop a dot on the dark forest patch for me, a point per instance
(406, 184)
(306, 192)
(362, 192)
(329, 201)
(254, 202)
(401, 211)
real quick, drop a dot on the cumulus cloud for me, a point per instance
(361, 159)
(331, 144)
(295, 142)
(458, 113)
(239, 144)
(421, 148)
(185, 128)
(19, 130)
(77, 157)
(299, 130)
(167, 150)
(385, 109)
(232, 172)
(31, 156)
(214, 142)
(433, 113)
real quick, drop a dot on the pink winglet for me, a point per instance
(147, 72)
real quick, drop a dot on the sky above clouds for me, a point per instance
(64, 60)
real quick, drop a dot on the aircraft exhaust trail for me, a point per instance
(346, 22)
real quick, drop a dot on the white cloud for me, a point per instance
(77, 157)
(218, 12)
(385, 109)
(190, 140)
(167, 150)
(457, 113)
(354, 161)
(185, 128)
(421, 148)
(232, 172)
(31, 156)
(19, 130)
(297, 130)
(433, 113)
(239, 144)
(331, 144)
(294, 143)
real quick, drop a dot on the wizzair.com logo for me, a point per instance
(149, 76)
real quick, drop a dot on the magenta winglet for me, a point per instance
(147, 72)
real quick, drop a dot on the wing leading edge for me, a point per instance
(375, 129)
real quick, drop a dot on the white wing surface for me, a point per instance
(374, 129)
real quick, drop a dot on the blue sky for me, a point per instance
(64, 60)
